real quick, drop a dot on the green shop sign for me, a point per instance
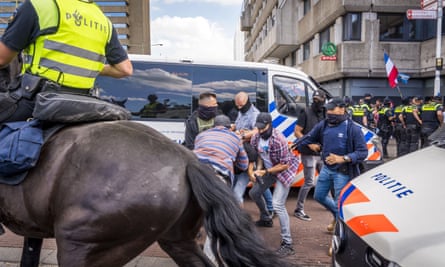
(329, 51)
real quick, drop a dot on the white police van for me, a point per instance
(393, 215)
(173, 87)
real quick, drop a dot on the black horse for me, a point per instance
(106, 191)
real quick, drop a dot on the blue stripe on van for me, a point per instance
(277, 121)
(272, 106)
(289, 130)
(368, 136)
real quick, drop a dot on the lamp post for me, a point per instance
(158, 44)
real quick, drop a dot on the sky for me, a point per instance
(194, 29)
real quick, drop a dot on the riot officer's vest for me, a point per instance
(383, 119)
(397, 111)
(428, 113)
(70, 49)
(358, 112)
(408, 115)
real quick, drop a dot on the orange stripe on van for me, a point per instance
(369, 224)
(356, 196)
(374, 156)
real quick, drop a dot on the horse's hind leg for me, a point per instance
(186, 253)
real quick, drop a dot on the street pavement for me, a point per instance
(311, 239)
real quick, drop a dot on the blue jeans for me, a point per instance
(326, 179)
(279, 198)
(241, 181)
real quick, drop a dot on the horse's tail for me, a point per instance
(230, 227)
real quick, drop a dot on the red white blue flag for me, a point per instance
(391, 71)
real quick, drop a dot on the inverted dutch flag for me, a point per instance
(391, 71)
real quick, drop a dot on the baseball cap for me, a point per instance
(262, 120)
(319, 94)
(367, 95)
(335, 102)
(222, 120)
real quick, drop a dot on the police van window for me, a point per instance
(226, 82)
(155, 90)
(289, 95)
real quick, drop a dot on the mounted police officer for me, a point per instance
(384, 124)
(410, 119)
(65, 44)
(432, 118)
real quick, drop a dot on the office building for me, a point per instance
(341, 43)
(131, 20)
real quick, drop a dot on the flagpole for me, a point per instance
(400, 92)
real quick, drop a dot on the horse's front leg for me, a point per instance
(31, 252)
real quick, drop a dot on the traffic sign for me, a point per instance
(426, 3)
(421, 14)
(430, 4)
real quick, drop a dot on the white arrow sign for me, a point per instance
(430, 4)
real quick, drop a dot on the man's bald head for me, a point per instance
(241, 99)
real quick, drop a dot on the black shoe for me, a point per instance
(285, 249)
(302, 216)
(264, 223)
(2, 230)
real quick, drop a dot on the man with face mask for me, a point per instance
(201, 119)
(307, 119)
(276, 164)
(245, 128)
(342, 147)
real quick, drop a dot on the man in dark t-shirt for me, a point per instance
(307, 119)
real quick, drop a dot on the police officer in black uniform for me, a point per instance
(410, 119)
(367, 107)
(359, 114)
(432, 118)
(384, 124)
(398, 127)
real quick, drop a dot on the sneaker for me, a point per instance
(285, 249)
(331, 227)
(302, 216)
(264, 223)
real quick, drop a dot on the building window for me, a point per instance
(396, 27)
(352, 27)
(111, 3)
(324, 37)
(306, 6)
(116, 14)
(306, 50)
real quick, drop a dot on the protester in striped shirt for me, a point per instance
(221, 148)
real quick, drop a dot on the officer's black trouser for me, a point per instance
(398, 135)
(427, 130)
(410, 139)
(31, 252)
(385, 134)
